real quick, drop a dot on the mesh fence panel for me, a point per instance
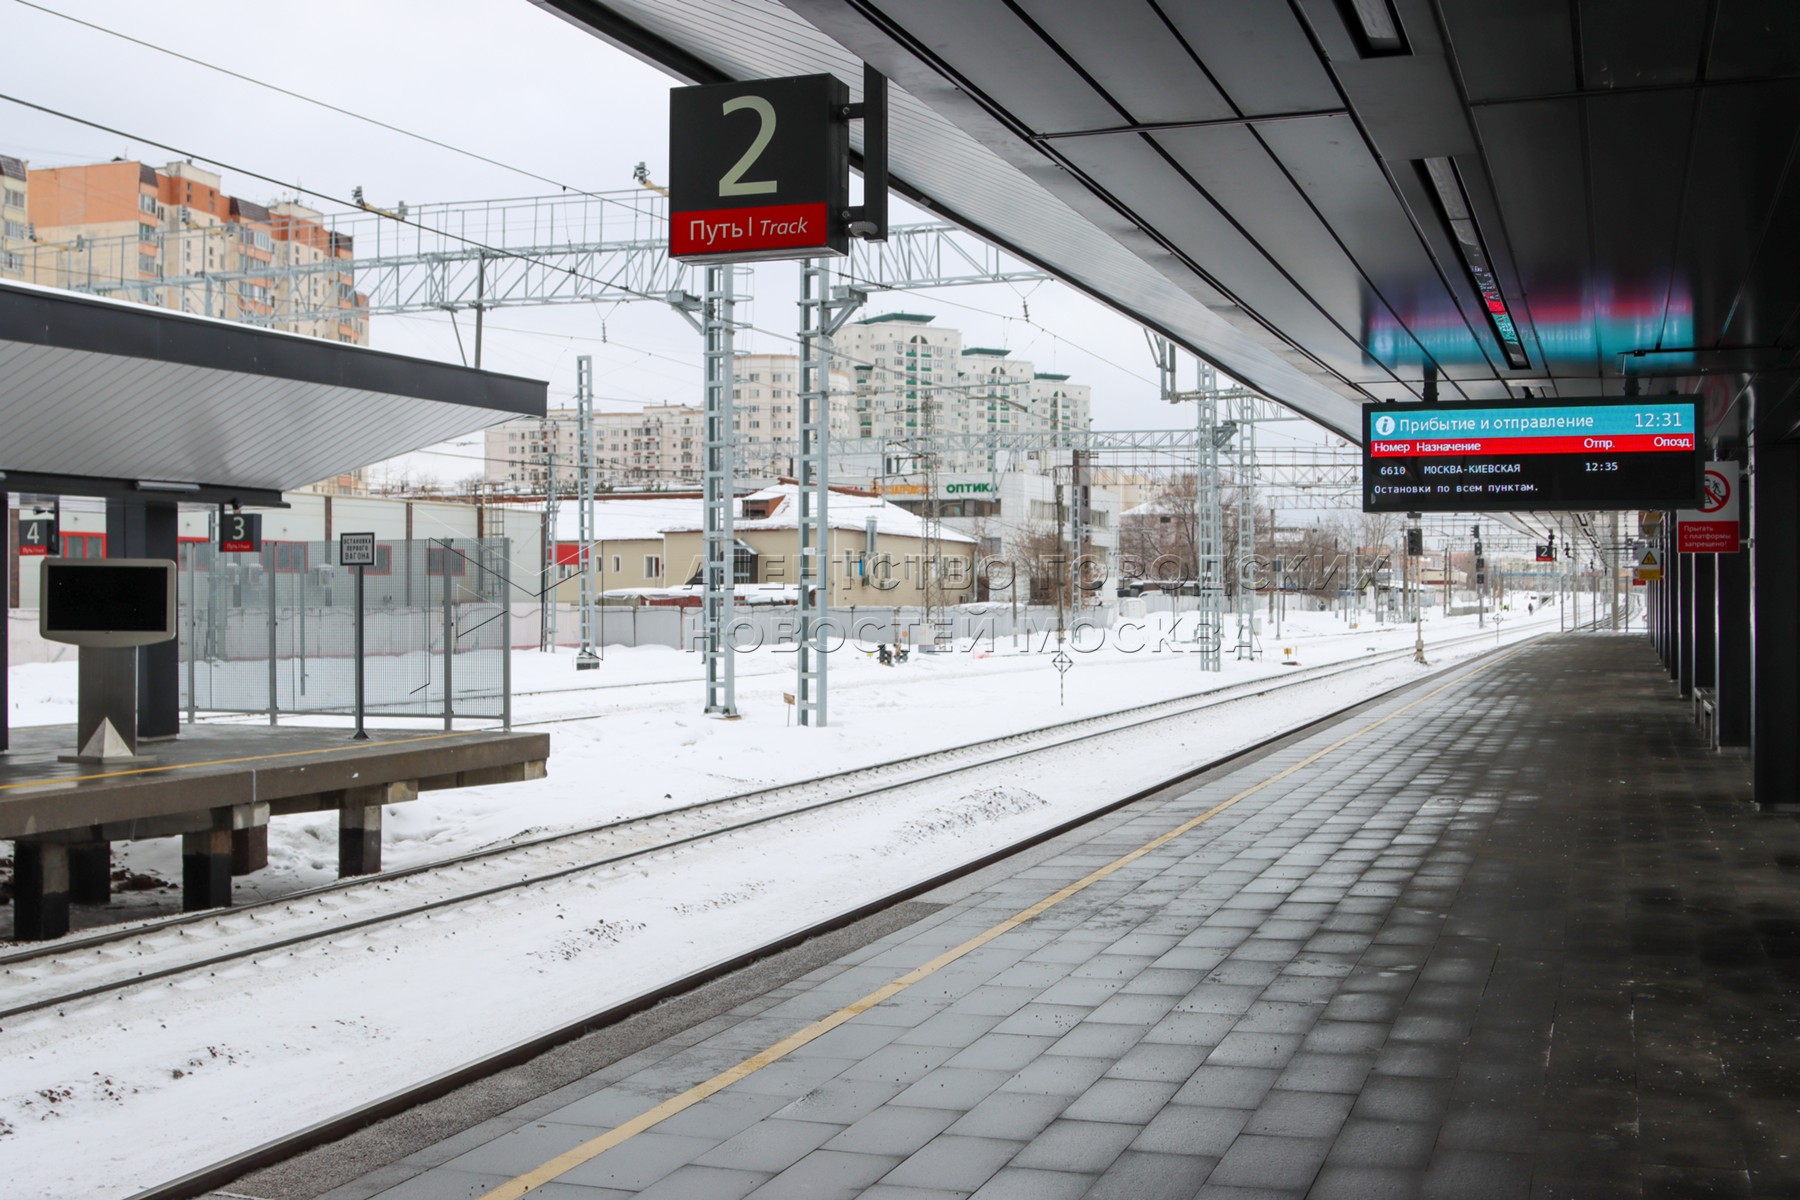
(282, 624)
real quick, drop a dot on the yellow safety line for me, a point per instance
(226, 762)
(567, 1161)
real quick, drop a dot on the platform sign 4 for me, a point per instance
(36, 536)
(1713, 527)
(759, 169)
(240, 533)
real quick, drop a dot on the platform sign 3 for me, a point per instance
(240, 533)
(759, 170)
(36, 536)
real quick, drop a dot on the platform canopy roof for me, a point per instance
(105, 397)
(1334, 199)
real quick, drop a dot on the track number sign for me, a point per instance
(759, 170)
(240, 533)
(36, 536)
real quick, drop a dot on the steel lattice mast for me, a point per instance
(585, 658)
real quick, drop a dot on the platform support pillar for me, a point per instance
(206, 870)
(40, 890)
(1704, 608)
(1775, 636)
(359, 825)
(90, 873)
(145, 529)
(1689, 607)
(249, 849)
(1732, 657)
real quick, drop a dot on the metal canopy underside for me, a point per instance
(1626, 170)
(108, 392)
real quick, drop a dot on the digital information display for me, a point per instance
(107, 602)
(1603, 453)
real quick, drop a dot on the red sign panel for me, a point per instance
(736, 231)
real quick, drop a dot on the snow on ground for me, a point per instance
(242, 1056)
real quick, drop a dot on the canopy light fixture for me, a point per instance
(154, 485)
(1373, 24)
(1446, 184)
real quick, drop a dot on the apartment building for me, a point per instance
(174, 238)
(15, 217)
(915, 380)
(661, 445)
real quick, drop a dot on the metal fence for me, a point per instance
(865, 625)
(275, 632)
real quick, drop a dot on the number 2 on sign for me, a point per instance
(733, 182)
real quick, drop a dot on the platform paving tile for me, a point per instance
(1025, 1183)
(704, 1183)
(827, 1175)
(772, 1145)
(640, 1161)
(1150, 1062)
(445, 1183)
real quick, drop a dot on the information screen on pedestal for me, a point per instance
(1602, 453)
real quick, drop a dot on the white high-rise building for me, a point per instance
(915, 379)
(661, 446)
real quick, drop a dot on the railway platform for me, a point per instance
(1515, 932)
(216, 787)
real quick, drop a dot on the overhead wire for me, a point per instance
(301, 96)
(565, 186)
(473, 243)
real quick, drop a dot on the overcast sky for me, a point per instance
(498, 78)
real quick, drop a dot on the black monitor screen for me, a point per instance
(98, 599)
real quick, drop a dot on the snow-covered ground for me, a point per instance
(89, 1094)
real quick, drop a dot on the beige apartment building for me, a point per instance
(174, 238)
(15, 217)
(660, 445)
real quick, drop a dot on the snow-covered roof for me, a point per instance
(1162, 506)
(749, 593)
(845, 511)
(636, 519)
(648, 518)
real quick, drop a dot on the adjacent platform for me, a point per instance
(1515, 933)
(217, 786)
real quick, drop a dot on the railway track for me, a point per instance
(44, 977)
